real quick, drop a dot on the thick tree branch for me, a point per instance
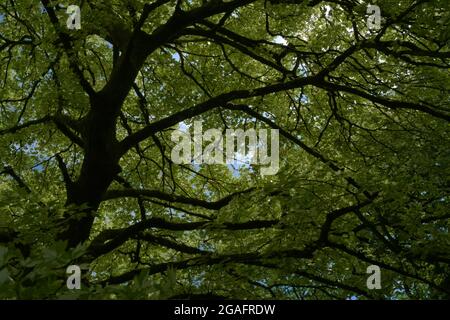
(67, 45)
(109, 240)
(210, 104)
(244, 258)
(389, 103)
(134, 193)
(26, 125)
(10, 171)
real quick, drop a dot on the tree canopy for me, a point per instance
(87, 178)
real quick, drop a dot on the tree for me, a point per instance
(88, 178)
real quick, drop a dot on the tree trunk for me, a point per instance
(100, 166)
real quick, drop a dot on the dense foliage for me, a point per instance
(87, 178)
